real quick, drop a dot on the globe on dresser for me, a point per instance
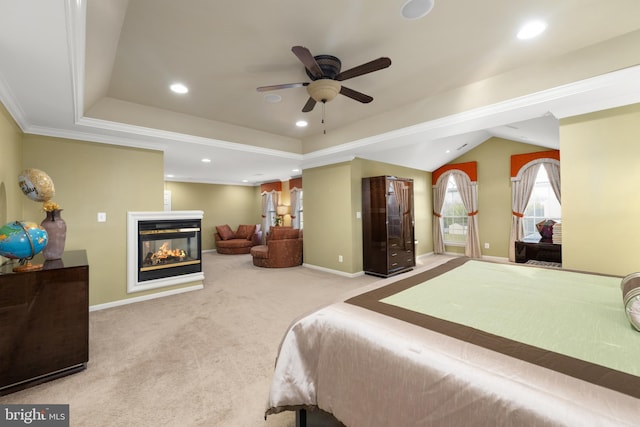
(22, 239)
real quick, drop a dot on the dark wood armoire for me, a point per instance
(388, 246)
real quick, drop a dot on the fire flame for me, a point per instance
(164, 252)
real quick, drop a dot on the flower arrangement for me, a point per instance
(50, 206)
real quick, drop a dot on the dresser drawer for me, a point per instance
(400, 259)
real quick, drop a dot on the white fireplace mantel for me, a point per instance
(133, 285)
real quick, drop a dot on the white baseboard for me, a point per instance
(329, 270)
(496, 258)
(359, 273)
(485, 257)
(421, 256)
(145, 297)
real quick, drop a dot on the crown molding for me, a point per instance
(76, 13)
(542, 102)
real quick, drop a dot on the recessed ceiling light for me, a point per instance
(531, 30)
(415, 9)
(295, 170)
(179, 88)
(206, 160)
(169, 176)
(301, 123)
(245, 180)
(272, 98)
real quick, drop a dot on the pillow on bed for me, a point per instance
(631, 298)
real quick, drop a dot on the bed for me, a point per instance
(467, 343)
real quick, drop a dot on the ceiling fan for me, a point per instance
(324, 71)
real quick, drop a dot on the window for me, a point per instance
(543, 204)
(271, 213)
(300, 210)
(454, 216)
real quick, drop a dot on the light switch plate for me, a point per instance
(102, 217)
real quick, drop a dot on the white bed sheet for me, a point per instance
(371, 370)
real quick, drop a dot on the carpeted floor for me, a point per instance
(201, 358)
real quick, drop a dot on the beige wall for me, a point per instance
(600, 155)
(493, 158)
(328, 229)
(222, 204)
(91, 178)
(333, 196)
(422, 200)
(11, 196)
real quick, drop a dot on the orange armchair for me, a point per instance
(238, 242)
(283, 249)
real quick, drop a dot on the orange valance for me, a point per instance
(271, 186)
(519, 160)
(470, 168)
(295, 183)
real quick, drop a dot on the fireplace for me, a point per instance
(168, 248)
(164, 249)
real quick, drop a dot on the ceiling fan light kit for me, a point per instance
(323, 90)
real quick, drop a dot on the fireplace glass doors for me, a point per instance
(168, 248)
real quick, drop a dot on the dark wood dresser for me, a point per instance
(44, 321)
(388, 246)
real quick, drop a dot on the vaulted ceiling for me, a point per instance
(100, 70)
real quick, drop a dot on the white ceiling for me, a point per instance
(99, 70)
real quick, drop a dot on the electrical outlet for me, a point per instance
(486, 245)
(339, 258)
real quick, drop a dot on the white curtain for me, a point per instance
(295, 207)
(265, 212)
(439, 191)
(275, 201)
(552, 167)
(469, 194)
(521, 189)
(269, 204)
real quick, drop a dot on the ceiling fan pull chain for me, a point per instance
(324, 130)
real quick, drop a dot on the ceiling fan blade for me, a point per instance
(309, 105)
(369, 67)
(284, 86)
(354, 94)
(308, 60)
